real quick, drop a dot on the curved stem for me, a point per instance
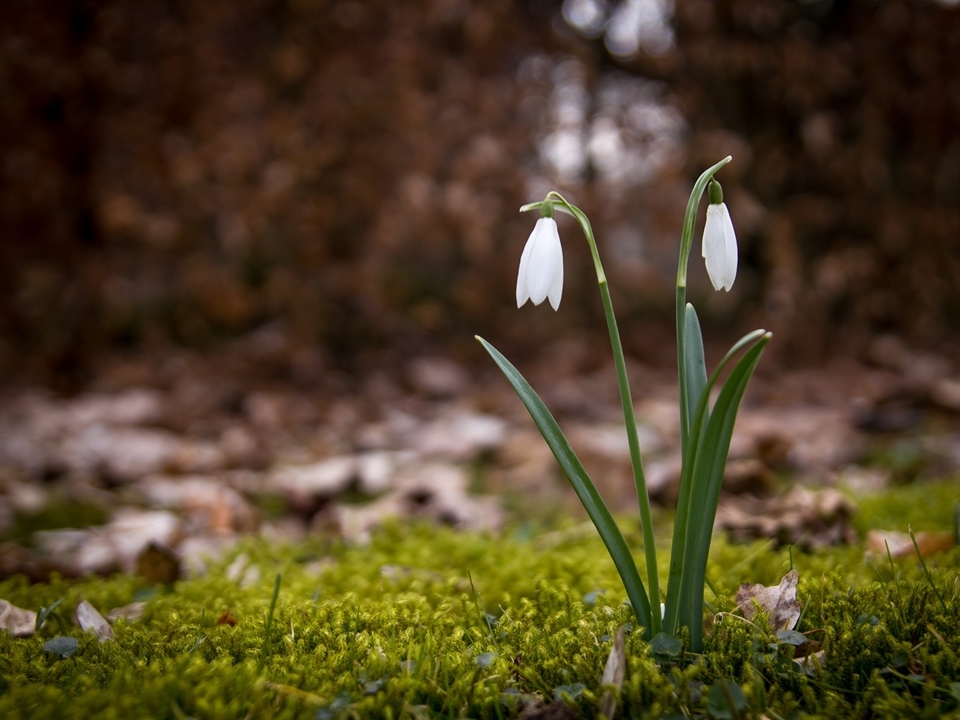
(686, 242)
(626, 400)
(690, 219)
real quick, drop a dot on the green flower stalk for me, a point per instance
(705, 431)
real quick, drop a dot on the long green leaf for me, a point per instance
(582, 485)
(693, 360)
(698, 486)
(677, 595)
(708, 476)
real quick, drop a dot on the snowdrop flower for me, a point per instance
(541, 264)
(719, 241)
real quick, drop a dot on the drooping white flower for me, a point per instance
(719, 242)
(541, 265)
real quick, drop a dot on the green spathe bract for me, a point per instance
(705, 440)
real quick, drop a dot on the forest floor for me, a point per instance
(173, 491)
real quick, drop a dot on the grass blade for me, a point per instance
(926, 572)
(265, 648)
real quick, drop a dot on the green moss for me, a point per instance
(426, 622)
(926, 505)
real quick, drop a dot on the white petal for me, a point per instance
(730, 250)
(523, 293)
(556, 289)
(720, 247)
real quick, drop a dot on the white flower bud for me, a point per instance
(720, 247)
(541, 265)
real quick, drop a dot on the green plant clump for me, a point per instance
(429, 623)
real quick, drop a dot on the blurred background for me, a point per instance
(348, 173)
(249, 211)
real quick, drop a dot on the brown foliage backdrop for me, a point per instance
(348, 173)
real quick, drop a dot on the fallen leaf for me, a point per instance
(437, 377)
(613, 674)
(92, 621)
(242, 572)
(107, 547)
(901, 545)
(303, 485)
(203, 500)
(804, 517)
(130, 613)
(458, 435)
(946, 394)
(779, 602)
(17, 621)
(434, 490)
(158, 564)
(557, 710)
(811, 662)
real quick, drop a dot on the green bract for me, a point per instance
(705, 437)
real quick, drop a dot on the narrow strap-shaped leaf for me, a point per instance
(710, 464)
(582, 484)
(691, 487)
(698, 474)
(675, 604)
(693, 360)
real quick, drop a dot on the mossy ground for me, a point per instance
(426, 622)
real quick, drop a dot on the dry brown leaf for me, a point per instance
(809, 518)
(158, 564)
(812, 661)
(558, 710)
(779, 602)
(613, 674)
(901, 545)
(130, 613)
(17, 621)
(90, 620)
